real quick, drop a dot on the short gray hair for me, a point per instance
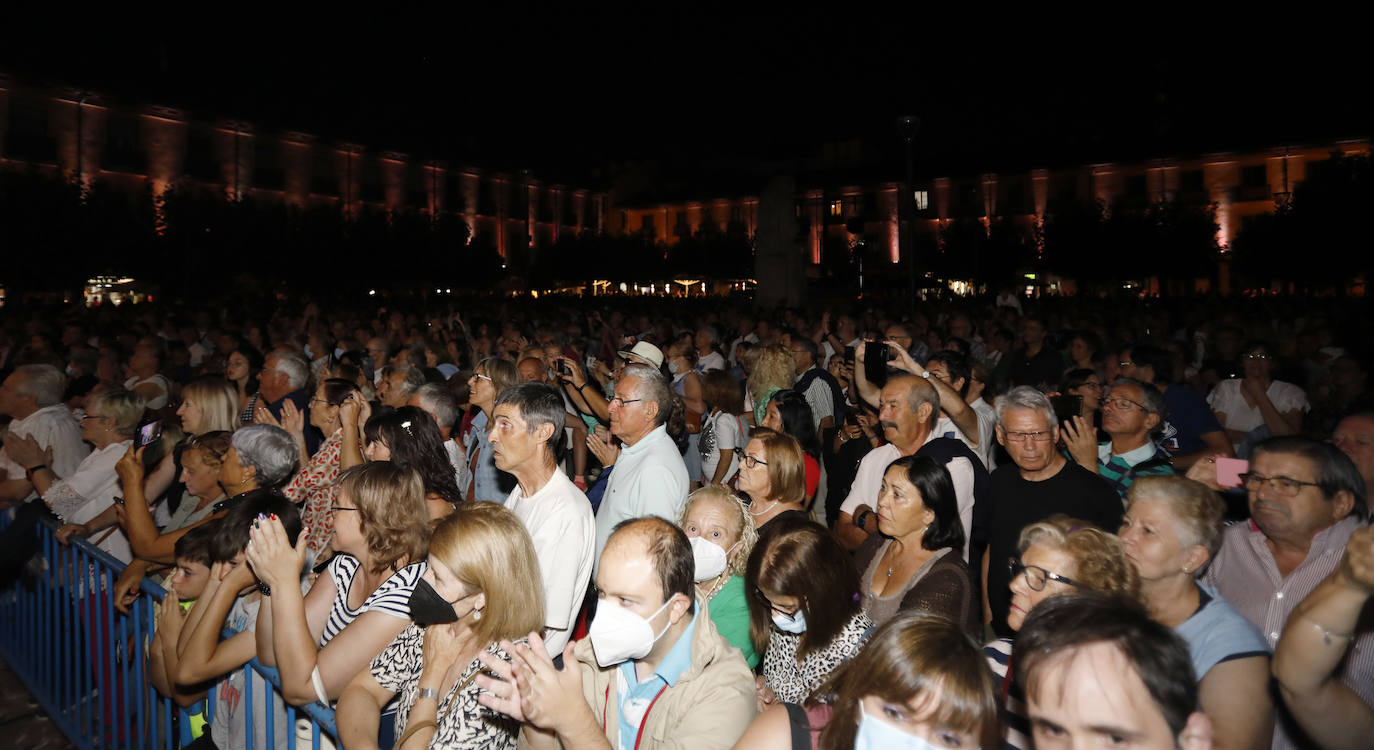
(268, 449)
(44, 382)
(652, 387)
(922, 392)
(122, 405)
(1025, 398)
(414, 378)
(1150, 397)
(438, 400)
(538, 404)
(293, 366)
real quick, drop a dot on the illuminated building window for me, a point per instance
(835, 208)
(922, 200)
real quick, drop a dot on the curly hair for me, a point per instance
(210, 446)
(774, 369)
(391, 512)
(748, 534)
(1100, 557)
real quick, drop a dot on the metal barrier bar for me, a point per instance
(86, 663)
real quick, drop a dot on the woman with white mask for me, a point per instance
(919, 683)
(805, 611)
(721, 532)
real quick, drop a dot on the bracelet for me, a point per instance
(1327, 634)
(580, 387)
(264, 589)
(429, 693)
(29, 472)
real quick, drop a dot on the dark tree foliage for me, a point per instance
(1169, 239)
(1320, 237)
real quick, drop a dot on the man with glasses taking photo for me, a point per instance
(1132, 413)
(1038, 483)
(1306, 500)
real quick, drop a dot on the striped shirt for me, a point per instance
(392, 597)
(1121, 469)
(1245, 574)
(1015, 716)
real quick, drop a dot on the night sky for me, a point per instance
(573, 94)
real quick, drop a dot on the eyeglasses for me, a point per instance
(1036, 576)
(1028, 437)
(1121, 403)
(1257, 356)
(749, 460)
(1283, 486)
(480, 376)
(769, 604)
(621, 403)
(1091, 386)
(1125, 364)
(337, 508)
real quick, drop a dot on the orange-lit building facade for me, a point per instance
(88, 138)
(1237, 184)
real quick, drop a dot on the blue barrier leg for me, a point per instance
(248, 706)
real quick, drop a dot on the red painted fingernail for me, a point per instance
(274, 516)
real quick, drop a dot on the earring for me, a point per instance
(1185, 569)
(476, 615)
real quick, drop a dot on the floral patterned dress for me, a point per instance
(314, 486)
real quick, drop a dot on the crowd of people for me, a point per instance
(1027, 523)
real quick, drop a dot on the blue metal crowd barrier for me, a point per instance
(85, 662)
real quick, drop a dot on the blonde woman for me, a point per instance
(774, 371)
(722, 535)
(475, 593)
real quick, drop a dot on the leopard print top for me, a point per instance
(793, 682)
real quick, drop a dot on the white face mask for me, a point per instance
(709, 557)
(673, 367)
(794, 623)
(875, 733)
(618, 634)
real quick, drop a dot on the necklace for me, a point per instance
(765, 510)
(716, 587)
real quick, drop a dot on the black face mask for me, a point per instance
(427, 607)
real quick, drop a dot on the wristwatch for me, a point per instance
(861, 520)
(429, 693)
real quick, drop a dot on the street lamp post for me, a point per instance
(909, 124)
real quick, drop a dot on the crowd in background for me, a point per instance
(606, 522)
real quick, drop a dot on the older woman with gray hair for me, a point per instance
(260, 456)
(1171, 531)
(722, 534)
(86, 498)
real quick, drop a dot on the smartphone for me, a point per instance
(563, 368)
(149, 434)
(849, 354)
(851, 419)
(875, 362)
(1066, 407)
(1229, 471)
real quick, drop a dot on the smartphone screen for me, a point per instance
(149, 433)
(875, 362)
(1229, 471)
(1067, 407)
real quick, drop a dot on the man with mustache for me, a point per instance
(908, 409)
(1306, 500)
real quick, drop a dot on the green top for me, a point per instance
(730, 613)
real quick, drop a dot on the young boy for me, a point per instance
(187, 582)
(230, 601)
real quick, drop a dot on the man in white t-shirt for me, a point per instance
(908, 410)
(527, 426)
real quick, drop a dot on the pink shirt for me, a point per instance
(1245, 574)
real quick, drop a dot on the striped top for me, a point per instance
(392, 597)
(1244, 573)
(1123, 469)
(1015, 716)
